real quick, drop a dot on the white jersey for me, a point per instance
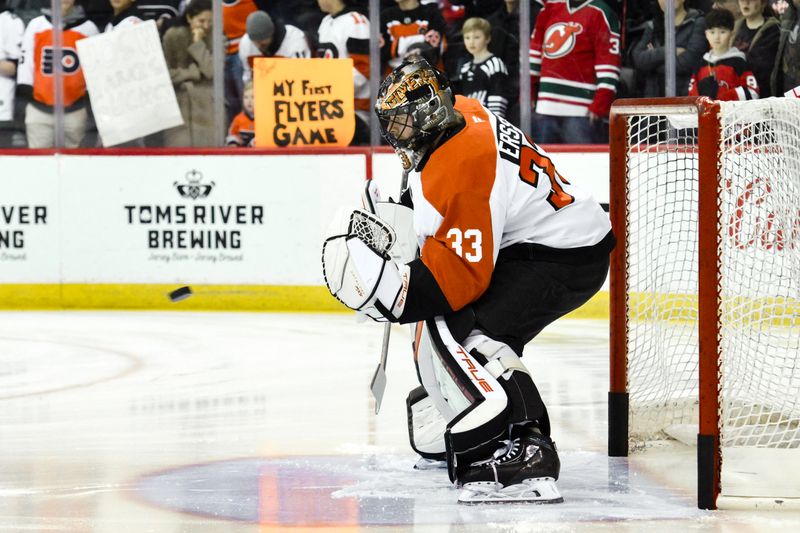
(11, 30)
(347, 35)
(293, 44)
(489, 187)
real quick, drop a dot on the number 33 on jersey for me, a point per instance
(489, 187)
(474, 243)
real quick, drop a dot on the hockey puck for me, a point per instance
(181, 293)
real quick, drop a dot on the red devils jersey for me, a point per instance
(734, 79)
(234, 21)
(575, 58)
(36, 67)
(489, 187)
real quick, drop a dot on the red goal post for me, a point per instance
(705, 290)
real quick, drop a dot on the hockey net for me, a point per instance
(706, 286)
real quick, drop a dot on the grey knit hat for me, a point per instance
(259, 26)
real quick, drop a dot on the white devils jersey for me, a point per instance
(11, 30)
(489, 187)
(294, 44)
(347, 35)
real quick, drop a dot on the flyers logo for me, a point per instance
(327, 51)
(69, 60)
(559, 39)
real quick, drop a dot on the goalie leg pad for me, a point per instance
(426, 425)
(468, 397)
(506, 366)
(485, 393)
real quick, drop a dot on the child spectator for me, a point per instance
(36, 73)
(242, 131)
(757, 35)
(344, 32)
(188, 52)
(265, 38)
(648, 53)
(485, 77)
(234, 17)
(406, 25)
(575, 60)
(726, 75)
(11, 30)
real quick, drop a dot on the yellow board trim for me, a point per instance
(156, 297)
(298, 298)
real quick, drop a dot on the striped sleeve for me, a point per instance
(607, 61)
(496, 72)
(358, 49)
(742, 84)
(748, 86)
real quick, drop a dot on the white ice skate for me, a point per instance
(535, 490)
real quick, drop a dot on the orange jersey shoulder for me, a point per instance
(457, 181)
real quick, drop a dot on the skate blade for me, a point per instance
(430, 464)
(536, 490)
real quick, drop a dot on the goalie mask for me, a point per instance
(414, 104)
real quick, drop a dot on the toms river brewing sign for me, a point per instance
(213, 231)
(15, 219)
(303, 102)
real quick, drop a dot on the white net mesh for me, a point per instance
(662, 276)
(760, 275)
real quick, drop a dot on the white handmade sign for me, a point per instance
(128, 83)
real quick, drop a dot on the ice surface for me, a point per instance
(120, 422)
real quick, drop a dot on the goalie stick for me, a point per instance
(378, 384)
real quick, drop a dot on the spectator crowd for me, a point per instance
(583, 55)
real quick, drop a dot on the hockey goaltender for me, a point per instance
(506, 246)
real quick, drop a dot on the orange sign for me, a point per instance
(303, 102)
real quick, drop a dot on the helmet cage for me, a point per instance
(414, 96)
